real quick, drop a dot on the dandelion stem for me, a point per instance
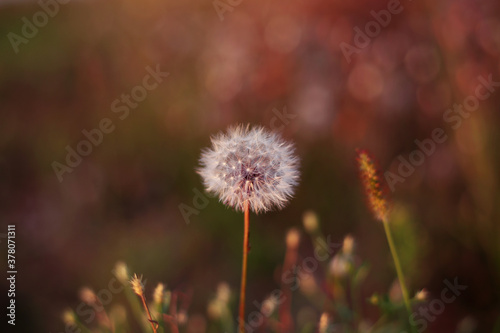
(244, 270)
(399, 271)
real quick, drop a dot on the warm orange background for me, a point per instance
(266, 57)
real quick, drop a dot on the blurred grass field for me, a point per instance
(263, 61)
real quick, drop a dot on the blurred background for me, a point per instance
(279, 64)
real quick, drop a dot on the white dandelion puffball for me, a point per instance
(250, 165)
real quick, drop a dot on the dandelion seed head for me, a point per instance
(250, 165)
(373, 186)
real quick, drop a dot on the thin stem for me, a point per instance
(244, 270)
(154, 323)
(399, 271)
(136, 307)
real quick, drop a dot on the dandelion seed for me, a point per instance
(262, 169)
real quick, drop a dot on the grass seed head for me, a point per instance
(121, 272)
(137, 285)
(88, 296)
(69, 317)
(293, 238)
(372, 186)
(158, 294)
(310, 221)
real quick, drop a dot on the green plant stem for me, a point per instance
(399, 271)
(244, 270)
